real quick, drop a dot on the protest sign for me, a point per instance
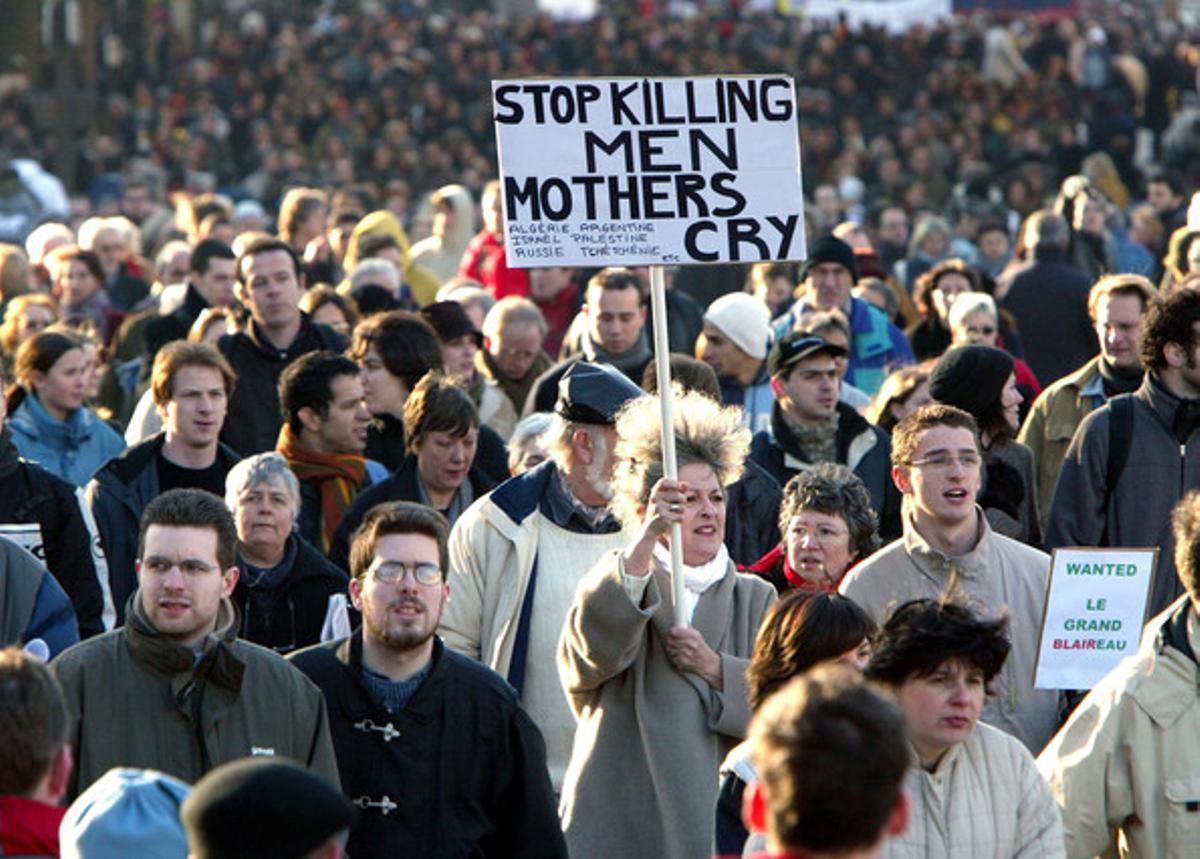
(649, 171)
(1095, 610)
(27, 535)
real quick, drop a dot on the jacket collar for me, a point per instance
(938, 565)
(305, 336)
(1161, 401)
(850, 425)
(72, 432)
(162, 655)
(1168, 683)
(423, 708)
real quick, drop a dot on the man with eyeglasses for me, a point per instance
(948, 549)
(433, 747)
(809, 424)
(175, 689)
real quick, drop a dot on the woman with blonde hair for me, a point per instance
(659, 705)
(25, 316)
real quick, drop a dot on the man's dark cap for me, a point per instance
(795, 346)
(830, 249)
(372, 298)
(594, 393)
(262, 808)
(449, 319)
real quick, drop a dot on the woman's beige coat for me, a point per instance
(643, 774)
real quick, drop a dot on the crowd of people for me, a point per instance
(294, 465)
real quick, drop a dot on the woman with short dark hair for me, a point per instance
(976, 791)
(827, 524)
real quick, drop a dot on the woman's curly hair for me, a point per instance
(705, 432)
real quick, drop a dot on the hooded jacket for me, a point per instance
(32, 604)
(72, 449)
(863, 448)
(461, 714)
(139, 698)
(118, 495)
(254, 415)
(441, 254)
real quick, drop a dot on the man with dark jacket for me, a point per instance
(288, 593)
(809, 424)
(412, 720)
(1097, 504)
(269, 285)
(212, 273)
(191, 384)
(175, 689)
(48, 516)
(1049, 299)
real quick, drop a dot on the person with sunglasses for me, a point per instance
(949, 549)
(413, 722)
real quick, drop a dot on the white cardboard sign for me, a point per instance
(1095, 610)
(649, 171)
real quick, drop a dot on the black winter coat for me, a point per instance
(752, 514)
(31, 494)
(298, 604)
(254, 417)
(460, 772)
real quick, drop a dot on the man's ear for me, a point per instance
(581, 442)
(754, 807)
(901, 478)
(356, 594)
(777, 387)
(309, 419)
(1174, 355)
(229, 580)
(60, 772)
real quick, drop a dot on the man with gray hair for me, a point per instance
(517, 554)
(1049, 299)
(289, 595)
(514, 332)
(376, 272)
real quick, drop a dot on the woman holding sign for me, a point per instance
(976, 790)
(659, 706)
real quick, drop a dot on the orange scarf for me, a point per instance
(339, 477)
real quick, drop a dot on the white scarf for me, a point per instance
(696, 580)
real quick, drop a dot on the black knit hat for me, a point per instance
(830, 249)
(257, 808)
(449, 319)
(971, 378)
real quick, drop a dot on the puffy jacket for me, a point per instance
(1127, 760)
(138, 698)
(254, 417)
(118, 495)
(461, 714)
(863, 448)
(72, 449)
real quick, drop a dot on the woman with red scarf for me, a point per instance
(828, 525)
